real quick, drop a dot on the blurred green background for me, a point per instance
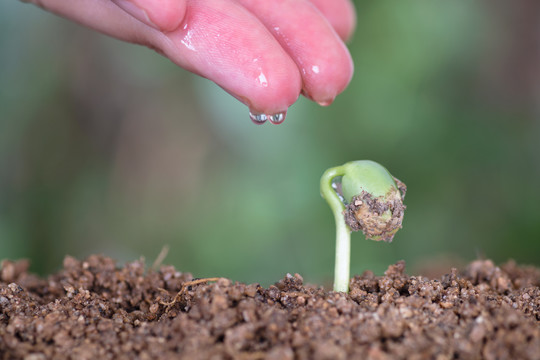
(106, 147)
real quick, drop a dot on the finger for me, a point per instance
(217, 39)
(103, 16)
(341, 15)
(164, 15)
(323, 59)
(222, 41)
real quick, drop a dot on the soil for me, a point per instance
(95, 309)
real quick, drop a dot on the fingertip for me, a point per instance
(334, 74)
(270, 89)
(167, 14)
(282, 91)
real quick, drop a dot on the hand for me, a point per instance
(263, 52)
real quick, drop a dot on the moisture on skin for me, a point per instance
(264, 53)
(325, 61)
(379, 218)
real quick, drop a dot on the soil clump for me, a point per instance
(95, 309)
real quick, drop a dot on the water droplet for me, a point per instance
(262, 80)
(336, 185)
(258, 119)
(278, 118)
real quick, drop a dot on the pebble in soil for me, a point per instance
(94, 309)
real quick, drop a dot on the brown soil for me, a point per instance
(94, 310)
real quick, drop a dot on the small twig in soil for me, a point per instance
(185, 287)
(159, 259)
(257, 355)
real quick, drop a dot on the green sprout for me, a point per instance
(363, 195)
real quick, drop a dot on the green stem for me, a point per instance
(343, 233)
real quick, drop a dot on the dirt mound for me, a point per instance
(94, 309)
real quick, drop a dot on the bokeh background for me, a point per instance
(106, 147)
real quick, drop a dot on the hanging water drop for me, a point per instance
(258, 119)
(278, 118)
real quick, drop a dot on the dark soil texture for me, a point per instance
(93, 309)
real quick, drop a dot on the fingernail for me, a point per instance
(325, 102)
(135, 11)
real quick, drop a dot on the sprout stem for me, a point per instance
(343, 233)
(369, 199)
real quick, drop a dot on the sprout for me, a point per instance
(367, 198)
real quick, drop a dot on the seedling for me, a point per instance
(363, 195)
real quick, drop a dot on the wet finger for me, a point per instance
(322, 58)
(222, 41)
(217, 39)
